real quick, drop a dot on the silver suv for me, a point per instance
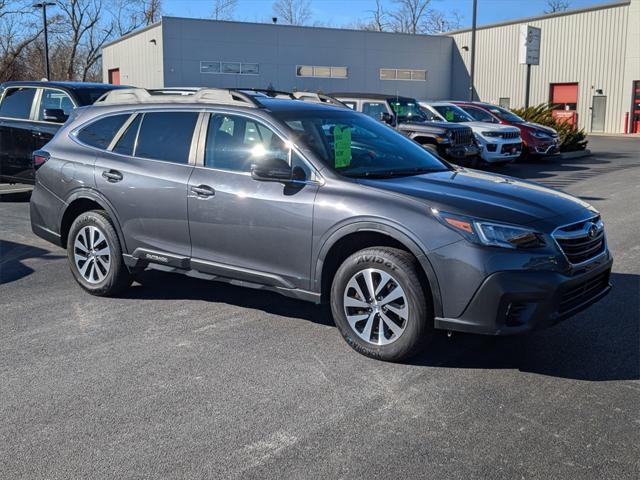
(317, 202)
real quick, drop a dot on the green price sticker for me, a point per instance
(342, 145)
(449, 116)
(398, 109)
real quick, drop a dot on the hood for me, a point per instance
(485, 196)
(537, 126)
(490, 127)
(428, 126)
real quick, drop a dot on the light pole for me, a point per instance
(473, 51)
(43, 6)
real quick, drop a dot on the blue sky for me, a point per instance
(344, 12)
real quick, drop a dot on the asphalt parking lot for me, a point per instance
(182, 378)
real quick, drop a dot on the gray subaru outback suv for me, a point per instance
(315, 202)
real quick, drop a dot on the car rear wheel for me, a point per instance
(379, 304)
(95, 255)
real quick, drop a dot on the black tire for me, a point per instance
(431, 149)
(116, 277)
(404, 269)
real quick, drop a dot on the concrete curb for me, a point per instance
(578, 154)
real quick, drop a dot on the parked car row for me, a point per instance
(461, 132)
(299, 195)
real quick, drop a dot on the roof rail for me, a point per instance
(267, 92)
(212, 95)
(318, 98)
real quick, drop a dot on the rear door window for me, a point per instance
(100, 133)
(54, 99)
(166, 136)
(17, 102)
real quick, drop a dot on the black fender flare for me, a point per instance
(91, 194)
(394, 231)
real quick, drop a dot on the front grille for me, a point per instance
(583, 292)
(581, 241)
(509, 135)
(509, 147)
(462, 136)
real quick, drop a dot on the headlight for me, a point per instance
(539, 134)
(491, 234)
(492, 134)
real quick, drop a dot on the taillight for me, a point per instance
(39, 158)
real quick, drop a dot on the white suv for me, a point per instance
(498, 143)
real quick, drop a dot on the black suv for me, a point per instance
(453, 142)
(317, 202)
(30, 115)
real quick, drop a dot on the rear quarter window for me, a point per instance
(17, 102)
(99, 134)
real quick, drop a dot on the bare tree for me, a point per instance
(410, 16)
(439, 22)
(19, 30)
(379, 18)
(293, 12)
(224, 9)
(152, 10)
(554, 6)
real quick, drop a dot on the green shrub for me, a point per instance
(571, 138)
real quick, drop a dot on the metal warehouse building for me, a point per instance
(589, 61)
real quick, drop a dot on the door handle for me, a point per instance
(203, 191)
(112, 175)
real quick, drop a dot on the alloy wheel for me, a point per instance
(92, 254)
(376, 306)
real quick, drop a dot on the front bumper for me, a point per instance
(461, 151)
(545, 148)
(500, 152)
(511, 302)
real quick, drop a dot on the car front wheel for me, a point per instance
(379, 304)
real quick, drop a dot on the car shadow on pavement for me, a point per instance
(154, 284)
(15, 197)
(599, 344)
(12, 256)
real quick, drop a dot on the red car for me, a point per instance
(537, 140)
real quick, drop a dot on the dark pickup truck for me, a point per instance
(453, 142)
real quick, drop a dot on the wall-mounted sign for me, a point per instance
(530, 45)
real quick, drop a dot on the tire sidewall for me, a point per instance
(416, 326)
(99, 221)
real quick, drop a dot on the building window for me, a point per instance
(231, 68)
(403, 74)
(321, 72)
(505, 102)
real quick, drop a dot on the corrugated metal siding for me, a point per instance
(279, 48)
(588, 48)
(139, 60)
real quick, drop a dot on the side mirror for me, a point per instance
(386, 118)
(272, 170)
(54, 115)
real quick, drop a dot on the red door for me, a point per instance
(114, 76)
(635, 117)
(564, 101)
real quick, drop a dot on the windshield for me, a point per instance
(356, 145)
(407, 110)
(504, 114)
(451, 113)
